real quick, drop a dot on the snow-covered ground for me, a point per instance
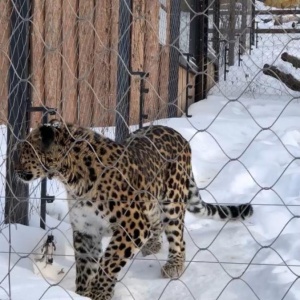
(246, 149)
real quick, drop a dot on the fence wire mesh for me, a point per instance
(115, 66)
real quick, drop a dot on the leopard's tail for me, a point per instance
(197, 206)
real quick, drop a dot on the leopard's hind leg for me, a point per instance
(174, 207)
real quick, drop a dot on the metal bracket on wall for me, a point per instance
(226, 50)
(143, 91)
(256, 34)
(188, 86)
(240, 52)
(252, 38)
(44, 197)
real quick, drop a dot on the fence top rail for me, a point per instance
(277, 30)
(278, 12)
(259, 12)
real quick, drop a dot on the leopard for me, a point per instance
(134, 191)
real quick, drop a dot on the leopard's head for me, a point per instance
(40, 155)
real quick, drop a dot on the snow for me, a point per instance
(245, 139)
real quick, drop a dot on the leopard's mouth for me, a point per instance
(24, 175)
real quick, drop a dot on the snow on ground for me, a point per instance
(261, 159)
(245, 150)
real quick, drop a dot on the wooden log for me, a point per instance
(282, 3)
(53, 13)
(37, 60)
(103, 15)
(295, 61)
(289, 80)
(137, 56)
(5, 12)
(86, 61)
(279, 20)
(69, 61)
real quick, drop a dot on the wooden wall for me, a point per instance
(74, 54)
(74, 59)
(182, 85)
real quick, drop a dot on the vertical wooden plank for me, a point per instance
(182, 87)
(53, 9)
(181, 90)
(5, 12)
(86, 61)
(164, 63)
(69, 61)
(137, 56)
(103, 15)
(37, 59)
(114, 39)
(151, 58)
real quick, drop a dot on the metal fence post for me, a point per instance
(216, 35)
(252, 34)
(174, 57)
(16, 192)
(123, 75)
(44, 197)
(231, 32)
(243, 36)
(202, 49)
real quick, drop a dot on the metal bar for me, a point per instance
(275, 30)
(143, 91)
(216, 35)
(225, 30)
(225, 61)
(44, 197)
(201, 79)
(174, 57)
(240, 53)
(261, 12)
(231, 33)
(188, 86)
(193, 27)
(16, 192)
(123, 76)
(252, 32)
(256, 35)
(243, 37)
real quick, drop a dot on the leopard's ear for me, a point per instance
(47, 136)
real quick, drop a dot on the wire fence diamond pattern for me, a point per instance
(244, 136)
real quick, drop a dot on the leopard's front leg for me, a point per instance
(130, 235)
(87, 256)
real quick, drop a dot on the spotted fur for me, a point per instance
(136, 190)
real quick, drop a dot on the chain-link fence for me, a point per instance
(224, 74)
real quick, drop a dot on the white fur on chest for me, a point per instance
(84, 219)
